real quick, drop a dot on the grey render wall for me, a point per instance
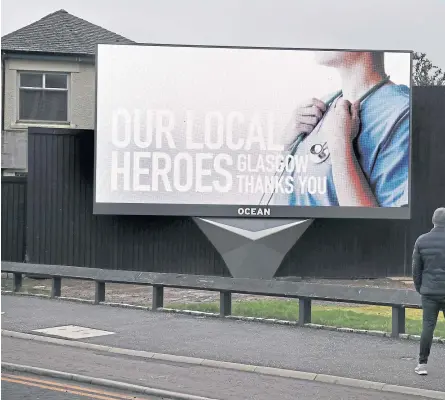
(62, 230)
(81, 92)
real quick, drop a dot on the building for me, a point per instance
(48, 80)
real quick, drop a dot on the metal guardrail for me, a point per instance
(397, 299)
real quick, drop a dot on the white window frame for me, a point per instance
(43, 88)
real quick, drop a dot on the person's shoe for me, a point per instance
(421, 369)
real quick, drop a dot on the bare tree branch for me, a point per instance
(425, 73)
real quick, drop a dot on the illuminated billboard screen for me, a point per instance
(252, 132)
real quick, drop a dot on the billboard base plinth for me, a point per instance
(253, 248)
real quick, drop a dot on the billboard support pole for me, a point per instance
(253, 248)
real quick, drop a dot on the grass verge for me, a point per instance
(357, 317)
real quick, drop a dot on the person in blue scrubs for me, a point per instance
(357, 151)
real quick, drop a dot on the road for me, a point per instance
(31, 387)
(324, 352)
(196, 380)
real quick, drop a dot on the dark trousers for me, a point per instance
(431, 305)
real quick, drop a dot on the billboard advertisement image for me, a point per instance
(252, 132)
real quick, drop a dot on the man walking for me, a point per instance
(429, 281)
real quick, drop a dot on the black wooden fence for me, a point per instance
(61, 229)
(13, 218)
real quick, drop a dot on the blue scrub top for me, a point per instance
(381, 148)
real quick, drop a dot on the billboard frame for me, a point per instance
(253, 211)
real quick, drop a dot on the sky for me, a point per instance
(350, 24)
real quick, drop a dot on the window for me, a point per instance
(43, 97)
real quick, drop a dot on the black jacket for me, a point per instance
(429, 263)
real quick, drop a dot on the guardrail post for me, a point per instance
(304, 311)
(17, 279)
(56, 287)
(99, 292)
(158, 297)
(225, 304)
(398, 321)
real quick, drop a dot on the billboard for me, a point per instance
(252, 132)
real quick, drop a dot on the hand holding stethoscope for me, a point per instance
(341, 119)
(343, 125)
(304, 120)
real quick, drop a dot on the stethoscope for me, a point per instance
(319, 152)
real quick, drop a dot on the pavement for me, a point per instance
(196, 380)
(341, 354)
